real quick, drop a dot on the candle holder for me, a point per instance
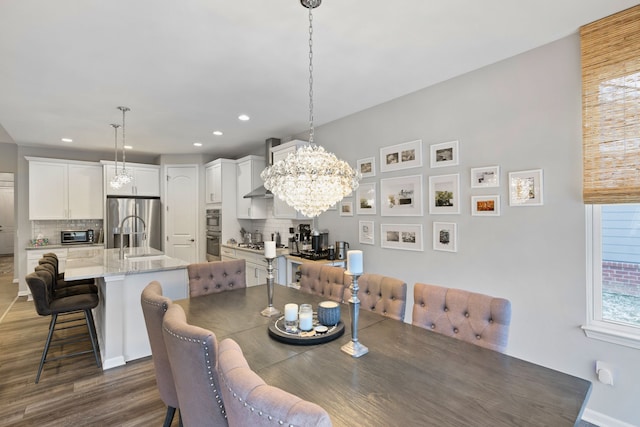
(354, 347)
(270, 310)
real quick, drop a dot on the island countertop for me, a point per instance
(100, 262)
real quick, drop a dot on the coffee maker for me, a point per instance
(341, 250)
(319, 241)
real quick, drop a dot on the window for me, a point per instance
(610, 54)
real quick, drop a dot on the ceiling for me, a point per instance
(189, 67)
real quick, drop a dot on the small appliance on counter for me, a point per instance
(341, 250)
(75, 237)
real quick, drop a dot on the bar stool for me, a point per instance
(70, 289)
(59, 282)
(40, 285)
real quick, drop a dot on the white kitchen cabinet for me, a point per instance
(280, 208)
(213, 183)
(60, 189)
(248, 179)
(34, 255)
(146, 180)
(256, 265)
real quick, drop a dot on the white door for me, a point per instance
(181, 212)
(7, 220)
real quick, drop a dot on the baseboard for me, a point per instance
(603, 420)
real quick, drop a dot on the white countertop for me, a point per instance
(100, 262)
(279, 251)
(58, 246)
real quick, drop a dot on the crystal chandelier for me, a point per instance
(311, 180)
(122, 178)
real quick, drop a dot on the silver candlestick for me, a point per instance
(354, 348)
(270, 310)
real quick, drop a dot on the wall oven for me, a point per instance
(214, 234)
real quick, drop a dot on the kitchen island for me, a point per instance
(122, 333)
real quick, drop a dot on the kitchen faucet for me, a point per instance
(144, 228)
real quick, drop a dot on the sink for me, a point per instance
(150, 257)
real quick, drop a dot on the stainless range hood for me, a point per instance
(262, 192)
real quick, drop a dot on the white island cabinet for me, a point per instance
(122, 333)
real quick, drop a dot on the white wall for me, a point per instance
(522, 113)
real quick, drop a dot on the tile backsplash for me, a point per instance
(51, 229)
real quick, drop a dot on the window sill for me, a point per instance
(620, 335)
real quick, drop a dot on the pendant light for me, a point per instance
(115, 181)
(125, 177)
(311, 180)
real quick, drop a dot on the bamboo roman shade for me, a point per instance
(611, 108)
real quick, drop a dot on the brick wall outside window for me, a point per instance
(621, 278)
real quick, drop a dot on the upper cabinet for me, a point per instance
(213, 183)
(248, 179)
(146, 180)
(280, 208)
(61, 189)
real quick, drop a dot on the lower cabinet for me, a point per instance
(34, 255)
(256, 266)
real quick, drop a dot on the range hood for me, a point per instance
(262, 192)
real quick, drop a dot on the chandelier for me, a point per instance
(123, 178)
(311, 180)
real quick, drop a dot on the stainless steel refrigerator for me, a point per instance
(136, 219)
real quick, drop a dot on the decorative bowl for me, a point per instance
(328, 313)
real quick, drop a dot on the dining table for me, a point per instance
(410, 376)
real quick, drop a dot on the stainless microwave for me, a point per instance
(76, 237)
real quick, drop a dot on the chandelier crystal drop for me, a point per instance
(311, 180)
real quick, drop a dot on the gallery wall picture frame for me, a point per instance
(445, 154)
(401, 156)
(485, 205)
(366, 232)
(444, 194)
(526, 188)
(407, 237)
(367, 167)
(445, 236)
(485, 177)
(346, 207)
(366, 200)
(401, 196)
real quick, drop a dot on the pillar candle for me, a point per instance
(354, 262)
(270, 249)
(291, 312)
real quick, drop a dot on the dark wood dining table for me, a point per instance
(409, 377)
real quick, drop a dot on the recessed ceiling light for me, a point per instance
(197, 144)
(128, 147)
(243, 117)
(67, 140)
(217, 133)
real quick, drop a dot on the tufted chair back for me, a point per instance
(381, 294)
(40, 283)
(324, 280)
(193, 355)
(468, 316)
(249, 401)
(218, 276)
(154, 306)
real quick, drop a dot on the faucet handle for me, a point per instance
(144, 236)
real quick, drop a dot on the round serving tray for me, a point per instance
(278, 332)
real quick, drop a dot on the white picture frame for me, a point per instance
(401, 156)
(407, 237)
(485, 205)
(444, 154)
(444, 194)
(401, 196)
(445, 236)
(367, 167)
(366, 232)
(485, 177)
(526, 188)
(366, 199)
(346, 207)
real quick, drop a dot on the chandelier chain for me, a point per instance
(311, 130)
(115, 127)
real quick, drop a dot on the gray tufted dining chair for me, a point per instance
(381, 294)
(193, 355)
(324, 280)
(217, 276)
(249, 401)
(154, 306)
(476, 318)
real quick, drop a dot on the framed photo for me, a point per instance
(367, 167)
(485, 177)
(485, 205)
(366, 199)
(401, 196)
(346, 207)
(525, 188)
(444, 194)
(407, 237)
(445, 236)
(444, 154)
(366, 232)
(401, 156)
